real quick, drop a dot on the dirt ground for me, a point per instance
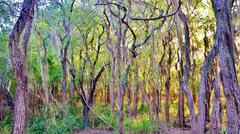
(179, 131)
(171, 131)
(92, 131)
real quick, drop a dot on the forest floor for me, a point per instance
(179, 131)
(171, 131)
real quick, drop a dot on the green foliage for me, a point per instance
(143, 109)
(6, 125)
(139, 125)
(34, 66)
(68, 124)
(172, 122)
(224, 130)
(56, 124)
(54, 69)
(6, 72)
(36, 124)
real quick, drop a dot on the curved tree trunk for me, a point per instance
(225, 40)
(18, 55)
(187, 72)
(202, 89)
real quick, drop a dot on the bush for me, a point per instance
(56, 124)
(36, 125)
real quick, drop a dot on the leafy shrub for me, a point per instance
(56, 124)
(36, 124)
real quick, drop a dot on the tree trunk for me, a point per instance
(187, 72)
(159, 83)
(64, 54)
(88, 102)
(202, 89)
(215, 124)
(146, 98)
(112, 98)
(135, 89)
(225, 40)
(129, 100)
(42, 61)
(161, 123)
(118, 76)
(110, 47)
(153, 70)
(85, 112)
(208, 95)
(209, 84)
(18, 54)
(64, 83)
(167, 84)
(181, 117)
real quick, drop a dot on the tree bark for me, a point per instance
(64, 81)
(118, 81)
(18, 54)
(179, 69)
(64, 52)
(120, 92)
(215, 124)
(109, 45)
(135, 89)
(167, 83)
(226, 43)
(209, 84)
(202, 89)
(85, 112)
(112, 98)
(187, 72)
(159, 83)
(208, 95)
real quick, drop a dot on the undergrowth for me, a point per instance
(73, 122)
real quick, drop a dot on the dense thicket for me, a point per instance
(126, 66)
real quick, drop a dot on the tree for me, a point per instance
(215, 125)
(226, 43)
(18, 54)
